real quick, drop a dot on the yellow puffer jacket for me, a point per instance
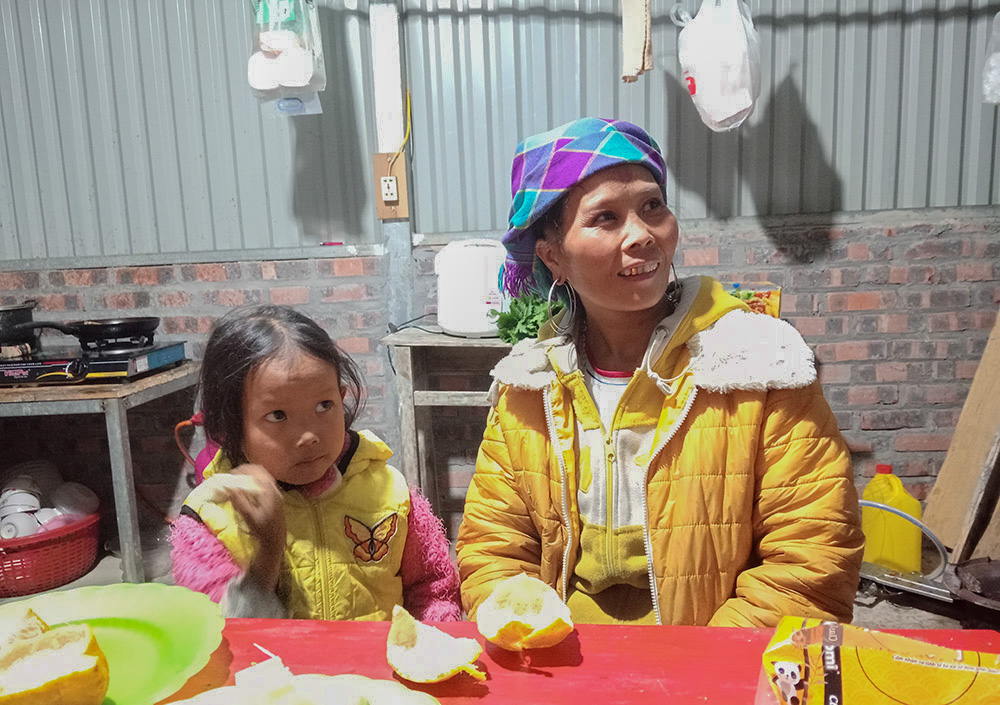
(343, 550)
(751, 511)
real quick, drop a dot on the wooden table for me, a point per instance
(414, 352)
(112, 400)
(603, 665)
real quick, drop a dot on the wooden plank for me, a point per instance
(450, 399)
(87, 391)
(984, 504)
(989, 545)
(380, 167)
(434, 337)
(424, 433)
(428, 466)
(950, 500)
(407, 419)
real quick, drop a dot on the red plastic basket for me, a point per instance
(48, 559)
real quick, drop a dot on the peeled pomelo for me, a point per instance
(359, 690)
(220, 487)
(17, 624)
(424, 654)
(63, 666)
(523, 613)
(315, 689)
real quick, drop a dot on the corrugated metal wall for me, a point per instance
(865, 105)
(128, 128)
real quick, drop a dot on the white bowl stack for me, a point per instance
(34, 498)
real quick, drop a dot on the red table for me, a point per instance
(602, 665)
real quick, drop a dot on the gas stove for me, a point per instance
(75, 365)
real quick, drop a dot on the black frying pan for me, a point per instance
(106, 329)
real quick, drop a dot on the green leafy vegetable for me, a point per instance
(526, 315)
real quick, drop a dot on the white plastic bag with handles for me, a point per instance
(991, 70)
(719, 52)
(286, 61)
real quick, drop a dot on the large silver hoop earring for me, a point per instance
(673, 295)
(566, 324)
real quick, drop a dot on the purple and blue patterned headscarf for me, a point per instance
(547, 166)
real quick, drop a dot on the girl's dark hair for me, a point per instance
(242, 341)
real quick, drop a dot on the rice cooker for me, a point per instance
(468, 287)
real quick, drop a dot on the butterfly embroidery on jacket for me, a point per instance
(370, 544)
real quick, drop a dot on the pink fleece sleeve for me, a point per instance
(430, 581)
(200, 561)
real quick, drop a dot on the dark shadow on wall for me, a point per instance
(329, 199)
(798, 177)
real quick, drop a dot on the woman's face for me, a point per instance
(618, 240)
(293, 418)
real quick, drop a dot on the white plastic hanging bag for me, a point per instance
(991, 71)
(719, 53)
(286, 60)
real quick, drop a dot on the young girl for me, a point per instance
(319, 525)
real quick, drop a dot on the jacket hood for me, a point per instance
(370, 449)
(730, 348)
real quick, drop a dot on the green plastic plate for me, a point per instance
(154, 636)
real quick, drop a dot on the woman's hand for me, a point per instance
(264, 513)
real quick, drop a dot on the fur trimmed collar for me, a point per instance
(741, 350)
(750, 351)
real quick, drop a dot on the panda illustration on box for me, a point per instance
(788, 680)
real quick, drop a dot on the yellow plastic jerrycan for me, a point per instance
(891, 541)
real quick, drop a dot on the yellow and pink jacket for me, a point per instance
(750, 510)
(366, 544)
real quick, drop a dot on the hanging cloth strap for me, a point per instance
(637, 40)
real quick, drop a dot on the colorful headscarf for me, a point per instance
(548, 165)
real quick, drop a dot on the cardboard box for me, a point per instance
(761, 297)
(811, 662)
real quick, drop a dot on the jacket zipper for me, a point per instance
(323, 560)
(646, 536)
(611, 488)
(550, 421)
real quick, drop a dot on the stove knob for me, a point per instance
(77, 368)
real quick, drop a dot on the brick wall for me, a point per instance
(898, 313)
(345, 295)
(897, 309)
(897, 306)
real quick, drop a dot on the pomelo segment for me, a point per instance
(63, 666)
(524, 613)
(17, 624)
(315, 689)
(424, 654)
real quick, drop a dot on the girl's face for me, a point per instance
(293, 418)
(618, 241)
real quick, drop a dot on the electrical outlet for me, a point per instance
(390, 194)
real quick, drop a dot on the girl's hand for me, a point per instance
(264, 514)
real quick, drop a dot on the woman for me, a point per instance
(660, 454)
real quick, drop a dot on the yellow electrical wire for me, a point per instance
(406, 138)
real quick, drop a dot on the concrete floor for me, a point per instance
(885, 614)
(108, 571)
(875, 607)
(880, 609)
